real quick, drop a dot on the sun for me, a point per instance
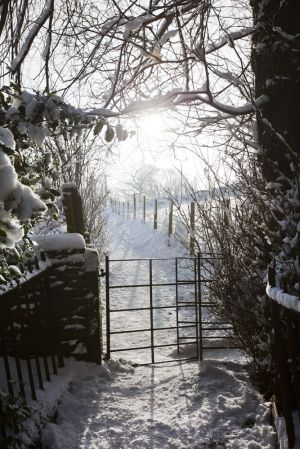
(152, 125)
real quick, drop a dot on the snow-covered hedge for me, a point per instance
(29, 173)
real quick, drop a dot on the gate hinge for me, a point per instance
(102, 273)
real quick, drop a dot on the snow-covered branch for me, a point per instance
(178, 97)
(45, 14)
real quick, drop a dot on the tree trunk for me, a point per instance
(276, 65)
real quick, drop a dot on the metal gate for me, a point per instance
(187, 325)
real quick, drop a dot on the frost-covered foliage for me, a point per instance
(282, 198)
(234, 223)
(252, 224)
(30, 171)
(13, 414)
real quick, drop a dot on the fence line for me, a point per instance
(119, 208)
(152, 206)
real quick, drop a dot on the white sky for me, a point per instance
(152, 146)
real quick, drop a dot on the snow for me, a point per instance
(68, 185)
(37, 134)
(7, 138)
(244, 109)
(103, 112)
(8, 176)
(59, 242)
(285, 299)
(168, 406)
(38, 23)
(229, 39)
(135, 24)
(167, 36)
(24, 202)
(17, 202)
(162, 407)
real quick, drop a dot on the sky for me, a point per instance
(152, 145)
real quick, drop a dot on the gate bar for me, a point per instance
(154, 329)
(170, 284)
(200, 308)
(107, 308)
(153, 307)
(151, 311)
(196, 307)
(176, 298)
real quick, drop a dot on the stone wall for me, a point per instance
(73, 292)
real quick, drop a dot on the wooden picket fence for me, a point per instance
(28, 345)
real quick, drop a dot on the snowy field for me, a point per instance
(175, 405)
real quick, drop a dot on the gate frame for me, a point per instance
(198, 304)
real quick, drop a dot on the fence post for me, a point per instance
(144, 209)
(192, 229)
(107, 308)
(155, 214)
(226, 212)
(127, 209)
(73, 208)
(134, 206)
(170, 231)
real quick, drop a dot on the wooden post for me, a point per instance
(155, 214)
(282, 381)
(170, 231)
(134, 206)
(73, 209)
(192, 229)
(226, 212)
(144, 209)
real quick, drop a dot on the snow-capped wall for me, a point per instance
(61, 305)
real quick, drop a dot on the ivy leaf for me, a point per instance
(98, 127)
(109, 134)
(55, 192)
(3, 234)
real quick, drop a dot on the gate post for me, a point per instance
(177, 308)
(200, 307)
(151, 311)
(107, 307)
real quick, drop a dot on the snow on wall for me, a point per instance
(284, 299)
(60, 242)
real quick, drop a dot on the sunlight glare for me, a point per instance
(152, 125)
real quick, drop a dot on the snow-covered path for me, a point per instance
(134, 240)
(171, 406)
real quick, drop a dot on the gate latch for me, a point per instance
(102, 273)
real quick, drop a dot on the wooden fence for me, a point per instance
(52, 315)
(29, 354)
(129, 210)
